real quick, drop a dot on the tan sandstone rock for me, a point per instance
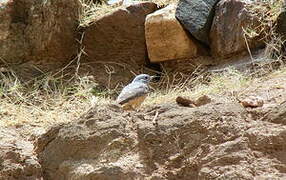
(227, 34)
(165, 37)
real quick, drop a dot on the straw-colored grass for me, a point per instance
(50, 103)
(91, 11)
(267, 12)
(219, 84)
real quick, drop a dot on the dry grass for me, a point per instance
(91, 11)
(51, 102)
(229, 84)
(218, 84)
(47, 101)
(267, 12)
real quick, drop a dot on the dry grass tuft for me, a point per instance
(267, 12)
(216, 84)
(91, 11)
(51, 100)
(47, 100)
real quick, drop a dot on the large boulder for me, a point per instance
(115, 43)
(196, 16)
(17, 157)
(218, 140)
(166, 39)
(89, 148)
(231, 21)
(32, 30)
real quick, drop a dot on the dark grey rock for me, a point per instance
(227, 34)
(281, 23)
(196, 17)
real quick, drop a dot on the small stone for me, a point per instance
(203, 100)
(252, 101)
(184, 101)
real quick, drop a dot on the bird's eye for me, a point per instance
(146, 77)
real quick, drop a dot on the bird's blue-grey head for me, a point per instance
(143, 78)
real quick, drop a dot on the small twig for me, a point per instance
(155, 118)
(247, 45)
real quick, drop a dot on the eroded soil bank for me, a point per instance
(218, 140)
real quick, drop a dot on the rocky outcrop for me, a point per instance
(196, 17)
(227, 31)
(166, 39)
(17, 157)
(95, 147)
(32, 30)
(213, 141)
(116, 43)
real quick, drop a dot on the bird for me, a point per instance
(133, 95)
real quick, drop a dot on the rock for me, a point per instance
(115, 43)
(166, 39)
(32, 30)
(185, 101)
(281, 23)
(227, 34)
(176, 140)
(252, 101)
(44, 138)
(89, 148)
(239, 152)
(277, 114)
(281, 31)
(196, 16)
(17, 158)
(214, 141)
(202, 100)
